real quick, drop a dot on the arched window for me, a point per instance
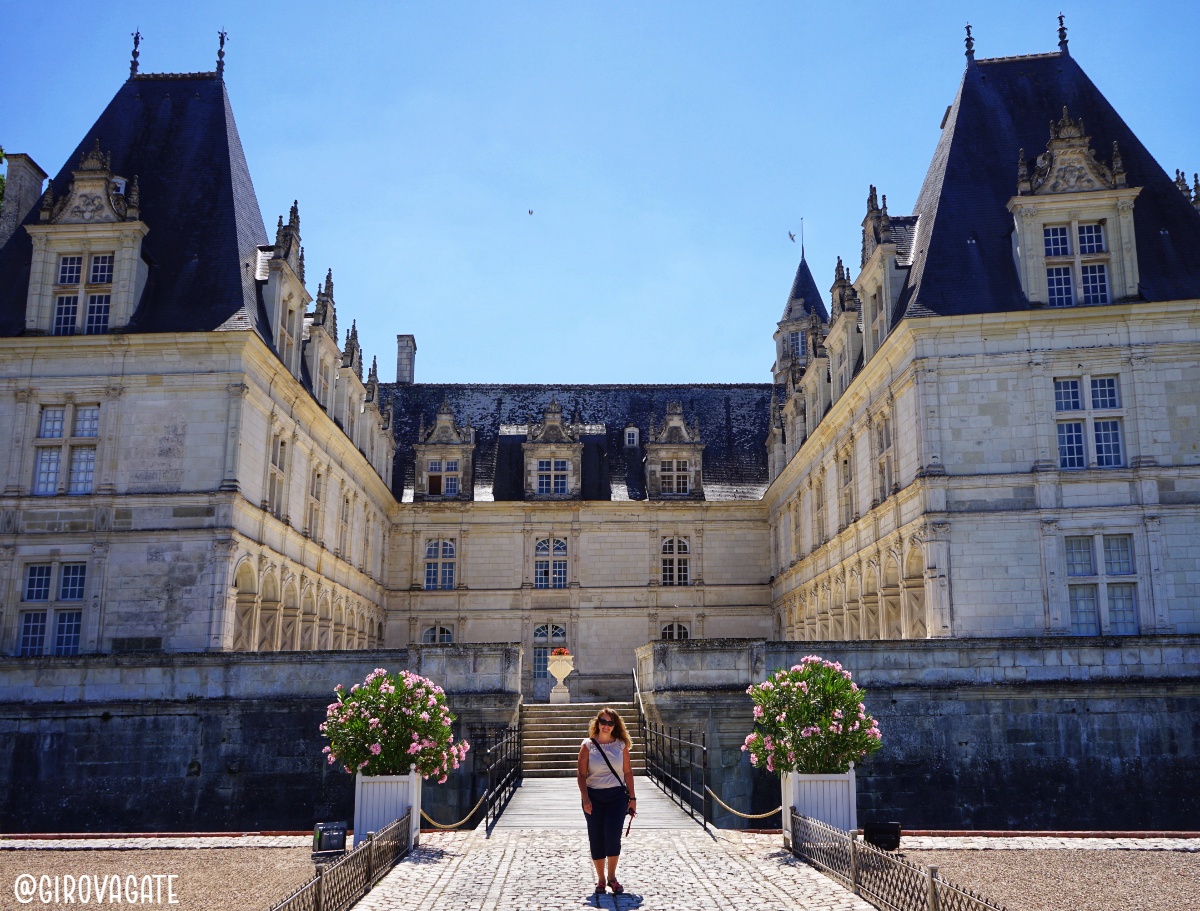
(440, 556)
(675, 631)
(550, 563)
(437, 635)
(675, 565)
(547, 636)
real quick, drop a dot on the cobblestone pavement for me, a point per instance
(662, 870)
(1044, 843)
(120, 843)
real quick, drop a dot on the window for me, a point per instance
(442, 479)
(545, 637)
(102, 269)
(1102, 596)
(276, 476)
(1070, 445)
(53, 449)
(344, 529)
(66, 313)
(37, 582)
(846, 471)
(1106, 433)
(1066, 395)
(97, 314)
(673, 477)
(796, 347)
(1087, 264)
(323, 384)
(552, 477)
(675, 557)
(1057, 240)
(437, 635)
(631, 437)
(1059, 292)
(1104, 392)
(440, 557)
(675, 631)
(67, 627)
(818, 507)
(33, 634)
(883, 459)
(316, 492)
(70, 269)
(550, 563)
(42, 580)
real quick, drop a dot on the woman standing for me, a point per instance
(606, 784)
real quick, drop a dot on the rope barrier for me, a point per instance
(736, 813)
(455, 825)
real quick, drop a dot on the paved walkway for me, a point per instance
(549, 870)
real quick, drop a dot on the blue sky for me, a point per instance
(666, 150)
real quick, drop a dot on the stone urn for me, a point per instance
(560, 666)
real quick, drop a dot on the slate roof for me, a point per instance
(176, 132)
(1002, 106)
(733, 421)
(805, 297)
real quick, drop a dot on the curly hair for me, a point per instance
(619, 732)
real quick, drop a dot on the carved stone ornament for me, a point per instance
(1069, 165)
(552, 429)
(94, 197)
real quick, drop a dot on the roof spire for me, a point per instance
(222, 34)
(1062, 36)
(970, 42)
(133, 62)
(802, 239)
(1196, 191)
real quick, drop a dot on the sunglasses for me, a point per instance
(607, 722)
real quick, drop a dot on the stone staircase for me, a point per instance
(552, 734)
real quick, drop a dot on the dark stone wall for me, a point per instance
(1119, 750)
(206, 765)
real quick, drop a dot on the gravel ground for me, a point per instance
(208, 879)
(1072, 880)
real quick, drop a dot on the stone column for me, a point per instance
(1054, 591)
(1158, 608)
(233, 435)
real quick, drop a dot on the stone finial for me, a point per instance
(839, 274)
(95, 160)
(329, 284)
(444, 407)
(1023, 184)
(373, 373)
(1062, 36)
(872, 200)
(47, 202)
(1118, 166)
(134, 194)
(300, 266)
(279, 232)
(223, 36)
(1181, 182)
(294, 215)
(1196, 191)
(885, 223)
(970, 43)
(133, 62)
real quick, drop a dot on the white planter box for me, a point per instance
(830, 798)
(382, 799)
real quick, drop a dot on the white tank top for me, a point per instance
(598, 774)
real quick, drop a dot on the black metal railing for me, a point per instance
(676, 762)
(505, 767)
(887, 881)
(341, 884)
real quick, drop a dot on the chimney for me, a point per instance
(406, 358)
(22, 190)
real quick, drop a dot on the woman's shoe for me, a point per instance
(616, 887)
(600, 890)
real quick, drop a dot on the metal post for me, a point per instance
(370, 846)
(853, 861)
(931, 887)
(704, 780)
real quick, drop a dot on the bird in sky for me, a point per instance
(792, 236)
(531, 211)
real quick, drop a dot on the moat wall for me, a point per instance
(1097, 733)
(224, 742)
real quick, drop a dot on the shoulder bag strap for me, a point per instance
(604, 756)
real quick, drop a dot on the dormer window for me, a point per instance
(631, 437)
(69, 317)
(552, 476)
(443, 478)
(674, 475)
(69, 269)
(102, 269)
(796, 347)
(1088, 261)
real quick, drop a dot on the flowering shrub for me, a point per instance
(390, 722)
(810, 719)
(560, 651)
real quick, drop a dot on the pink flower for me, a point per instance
(758, 712)
(376, 749)
(442, 780)
(424, 716)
